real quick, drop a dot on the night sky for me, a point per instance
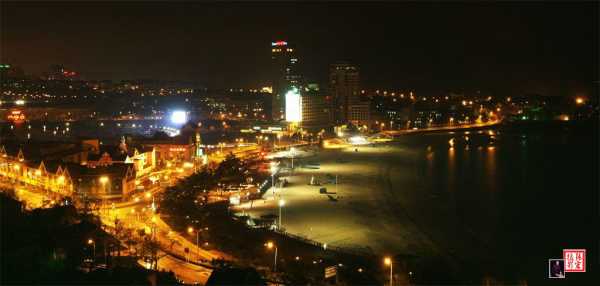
(547, 48)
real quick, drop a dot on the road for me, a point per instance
(138, 214)
(187, 272)
(441, 128)
(34, 199)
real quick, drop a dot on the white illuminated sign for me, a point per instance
(293, 106)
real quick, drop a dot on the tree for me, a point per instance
(231, 170)
(186, 198)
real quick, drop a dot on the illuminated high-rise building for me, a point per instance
(344, 90)
(58, 72)
(316, 108)
(284, 75)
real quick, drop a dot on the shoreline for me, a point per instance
(382, 208)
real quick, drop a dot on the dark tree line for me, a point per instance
(49, 247)
(191, 193)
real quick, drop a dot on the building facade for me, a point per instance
(359, 113)
(104, 182)
(57, 172)
(344, 89)
(54, 179)
(186, 147)
(316, 109)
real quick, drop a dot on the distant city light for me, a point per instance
(20, 102)
(179, 117)
(267, 89)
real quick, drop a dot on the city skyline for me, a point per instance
(156, 143)
(428, 46)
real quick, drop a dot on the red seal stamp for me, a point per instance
(574, 260)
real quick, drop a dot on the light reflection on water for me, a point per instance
(502, 186)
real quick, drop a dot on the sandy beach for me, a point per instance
(360, 212)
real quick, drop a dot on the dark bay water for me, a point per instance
(503, 201)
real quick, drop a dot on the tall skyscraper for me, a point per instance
(284, 74)
(344, 90)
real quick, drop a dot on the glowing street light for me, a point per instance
(388, 261)
(61, 180)
(273, 171)
(271, 245)
(281, 204)
(293, 151)
(579, 100)
(190, 230)
(103, 180)
(93, 243)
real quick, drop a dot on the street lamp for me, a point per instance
(273, 171)
(388, 261)
(103, 180)
(93, 243)
(190, 231)
(281, 204)
(292, 151)
(61, 179)
(271, 245)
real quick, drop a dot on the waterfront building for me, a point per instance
(344, 88)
